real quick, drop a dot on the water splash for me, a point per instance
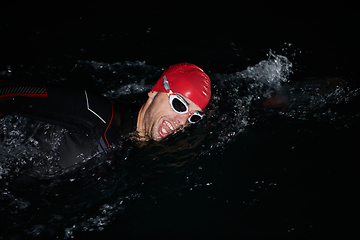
(237, 95)
(100, 194)
(272, 72)
(28, 143)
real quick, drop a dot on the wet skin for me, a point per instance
(157, 119)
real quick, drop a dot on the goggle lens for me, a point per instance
(179, 106)
(195, 117)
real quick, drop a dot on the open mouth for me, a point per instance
(166, 128)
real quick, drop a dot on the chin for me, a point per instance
(157, 138)
(155, 134)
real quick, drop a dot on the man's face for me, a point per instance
(161, 120)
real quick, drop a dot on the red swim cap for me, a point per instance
(189, 80)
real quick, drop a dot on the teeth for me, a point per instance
(169, 125)
(163, 130)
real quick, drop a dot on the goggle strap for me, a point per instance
(166, 84)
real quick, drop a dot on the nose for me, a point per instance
(181, 119)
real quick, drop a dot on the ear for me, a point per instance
(152, 94)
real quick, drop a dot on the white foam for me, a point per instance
(273, 71)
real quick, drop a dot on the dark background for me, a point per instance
(162, 34)
(220, 38)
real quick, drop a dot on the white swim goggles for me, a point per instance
(179, 105)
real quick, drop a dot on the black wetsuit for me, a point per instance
(93, 123)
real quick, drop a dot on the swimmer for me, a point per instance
(94, 124)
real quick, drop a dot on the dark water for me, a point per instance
(275, 156)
